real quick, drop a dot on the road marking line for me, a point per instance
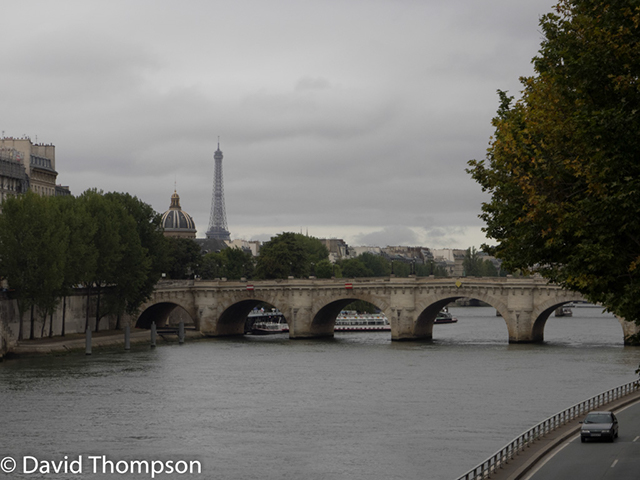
(614, 463)
(547, 458)
(635, 439)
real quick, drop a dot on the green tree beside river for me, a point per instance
(111, 244)
(563, 167)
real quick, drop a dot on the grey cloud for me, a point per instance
(309, 83)
(395, 235)
(363, 128)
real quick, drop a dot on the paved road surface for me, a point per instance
(597, 460)
(561, 455)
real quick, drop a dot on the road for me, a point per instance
(596, 460)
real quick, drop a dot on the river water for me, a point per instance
(357, 406)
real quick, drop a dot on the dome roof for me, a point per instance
(176, 222)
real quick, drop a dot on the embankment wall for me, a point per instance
(73, 309)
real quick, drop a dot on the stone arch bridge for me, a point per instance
(310, 306)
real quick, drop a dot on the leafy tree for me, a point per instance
(237, 263)
(354, 268)
(231, 263)
(131, 283)
(431, 268)
(50, 244)
(476, 266)
(361, 306)
(81, 258)
(316, 251)
(106, 245)
(401, 269)
(51, 258)
(289, 254)
(210, 266)
(379, 265)
(324, 269)
(144, 254)
(17, 242)
(183, 258)
(32, 238)
(472, 263)
(488, 269)
(563, 168)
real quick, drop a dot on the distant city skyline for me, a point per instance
(362, 133)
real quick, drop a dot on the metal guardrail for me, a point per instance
(522, 441)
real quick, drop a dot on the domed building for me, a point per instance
(177, 223)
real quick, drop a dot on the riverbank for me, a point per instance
(76, 342)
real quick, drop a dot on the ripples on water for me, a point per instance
(354, 407)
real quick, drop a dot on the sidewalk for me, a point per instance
(527, 459)
(76, 342)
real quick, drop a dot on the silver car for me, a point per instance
(599, 425)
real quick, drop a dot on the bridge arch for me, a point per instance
(229, 316)
(233, 318)
(325, 312)
(159, 313)
(544, 310)
(428, 309)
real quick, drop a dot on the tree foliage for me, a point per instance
(430, 267)
(325, 269)
(109, 243)
(354, 268)
(361, 306)
(563, 167)
(183, 258)
(289, 254)
(476, 266)
(371, 265)
(33, 240)
(146, 244)
(230, 263)
(401, 268)
(377, 264)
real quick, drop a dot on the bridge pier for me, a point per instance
(519, 316)
(216, 323)
(301, 324)
(631, 331)
(520, 324)
(404, 325)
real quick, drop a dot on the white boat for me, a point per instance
(269, 328)
(564, 312)
(445, 317)
(261, 322)
(352, 321)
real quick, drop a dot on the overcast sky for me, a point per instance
(350, 119)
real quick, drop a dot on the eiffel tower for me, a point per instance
(218, 219)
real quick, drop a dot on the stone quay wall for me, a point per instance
(73, 308)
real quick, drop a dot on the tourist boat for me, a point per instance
(445, 317)
(564, 312)
(351, 321)
(269, 328)
(260, 322)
